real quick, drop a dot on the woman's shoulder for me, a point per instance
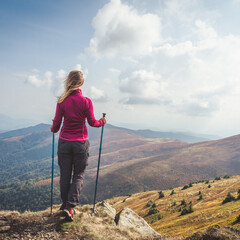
(88, 99)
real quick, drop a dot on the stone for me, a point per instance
(5, 228)
(129, 219)
(4, 224)
(108, 209)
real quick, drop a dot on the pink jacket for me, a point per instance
(75, 109)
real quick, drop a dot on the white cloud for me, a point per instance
(121, 30)
(202, 103)
(179, 15)
(178, 49)
(205, 37)
(48, 78)
(208, 66)
(143, 87)
(37, 81)
(114, 70)
(34, 80)
(58, 86)
(130, 59)
(96, 94)
(127, 107)
(35, 70)
(55, 82)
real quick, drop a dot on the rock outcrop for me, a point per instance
(129, 219)
(108, 209)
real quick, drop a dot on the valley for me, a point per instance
(130, 163)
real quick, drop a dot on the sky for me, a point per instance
(167, 65)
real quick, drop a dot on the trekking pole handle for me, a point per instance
(104, 114)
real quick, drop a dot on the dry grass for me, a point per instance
(86, 226)
(207, 212)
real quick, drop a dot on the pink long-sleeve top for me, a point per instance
(75, 109)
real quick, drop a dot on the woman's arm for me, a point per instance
(90, 116)
(57, 119)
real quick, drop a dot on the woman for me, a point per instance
(73, 144)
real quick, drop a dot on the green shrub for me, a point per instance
(153, 205)
(183, 203)
(226, 176)
(239, 190)
(209, 186)
(186, 211)
(238, 198)
(149, 203)
(173, 192)
(161, 194)
(190, 210)
(200, 197)
(199, 193)
(207, 181)
(156, 218)
(152, 211)
(237, 219)
(229, 198)
(185, 187)
(217, 178)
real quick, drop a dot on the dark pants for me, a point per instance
(72, 160)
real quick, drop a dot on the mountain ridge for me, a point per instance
(130, 163)
(147, 133)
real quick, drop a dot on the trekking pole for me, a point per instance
(52, 173)
(99, 156)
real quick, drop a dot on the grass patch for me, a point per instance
(66, 226)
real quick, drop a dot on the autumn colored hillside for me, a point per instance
(164, 210)
(130, 163)
(209, 219)
(161, 165)
(133, 164)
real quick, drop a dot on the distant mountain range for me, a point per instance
(8, 123)
(24, 131)
(132, 161)
(186, 137)
(146, 133)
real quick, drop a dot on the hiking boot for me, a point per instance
(63, 206)
(68, 213)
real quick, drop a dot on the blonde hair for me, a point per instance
(73, 81)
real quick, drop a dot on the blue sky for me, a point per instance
(164, 65)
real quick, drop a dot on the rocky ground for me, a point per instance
(217, 233)
(104, 225)
(101, 225)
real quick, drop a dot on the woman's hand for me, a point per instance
(104, 120)
(51, 128)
